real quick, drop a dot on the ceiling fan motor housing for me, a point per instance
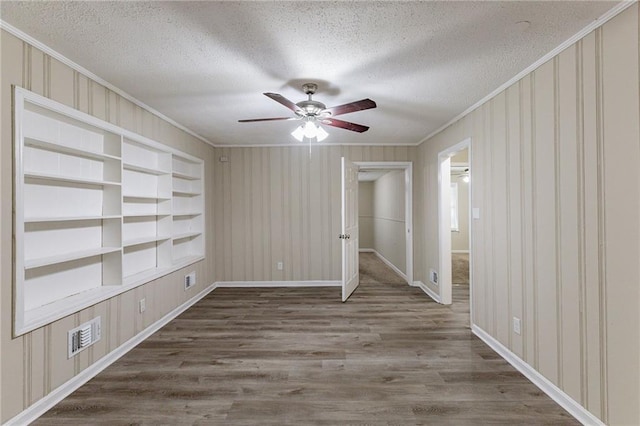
(311, 108)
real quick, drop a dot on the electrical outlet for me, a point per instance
(142, 304)
(433, 276)
(516, 325)
(189, 280)
(280, 266)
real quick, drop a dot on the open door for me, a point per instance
(349, 235)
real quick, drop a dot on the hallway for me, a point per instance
(274, 356)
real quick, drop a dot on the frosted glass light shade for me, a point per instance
(298, 133)
(321, 134)
(310, 131)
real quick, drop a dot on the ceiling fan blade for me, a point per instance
(351, 107)
(284, 101)
(267, 119)
(345, 125)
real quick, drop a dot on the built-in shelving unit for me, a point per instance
(98, 210)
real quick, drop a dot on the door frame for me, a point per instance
(444, 223)
(407, 166)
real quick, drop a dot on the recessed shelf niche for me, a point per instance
(98, 210)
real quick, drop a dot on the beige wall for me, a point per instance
(389, 223)
(282, 204)
(365, 214)
(36, 363)
(555, 175)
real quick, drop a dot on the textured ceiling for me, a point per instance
(206, 64)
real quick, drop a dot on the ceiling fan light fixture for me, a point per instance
(298, 133)
(321, 134)
(310, 130)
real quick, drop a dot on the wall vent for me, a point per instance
(80, 338)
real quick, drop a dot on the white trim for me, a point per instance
(318, 144)
(47, 402)
(388, 263)
(258, 284)
(432, 294)
(460, 251)
(445, 279)
(613, 12)
(558, 395)
(366, 250)
(68, 62)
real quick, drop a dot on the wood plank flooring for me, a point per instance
(280, 356)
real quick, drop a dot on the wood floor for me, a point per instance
(277, 356)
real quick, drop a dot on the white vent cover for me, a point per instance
(84, 336)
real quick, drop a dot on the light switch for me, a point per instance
(475, 213)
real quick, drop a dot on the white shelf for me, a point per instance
(144, 276)
(48, 313)
(65, 149)
(85, 188)
(187, 193)
(68, 179)
(144, 240)
(67, 219)
(146, 215)
(142, 169)
(186, 260)
(185, 235)
(145, 197)
(67, 257)
(185, 176)
(187, 214)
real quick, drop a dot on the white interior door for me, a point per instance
(349, 236)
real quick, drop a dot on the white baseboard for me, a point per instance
(50, 400)
(366, 250)
(558, 395)
(278, 283)
(432, 294)
(460, 251)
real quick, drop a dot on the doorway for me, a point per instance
(454, 216)
(460, 180)
(385, 226)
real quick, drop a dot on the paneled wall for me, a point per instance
(555, 174)
(389, 222)
(36, 363)
(282, 204)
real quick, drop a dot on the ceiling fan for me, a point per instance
(314, 113)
